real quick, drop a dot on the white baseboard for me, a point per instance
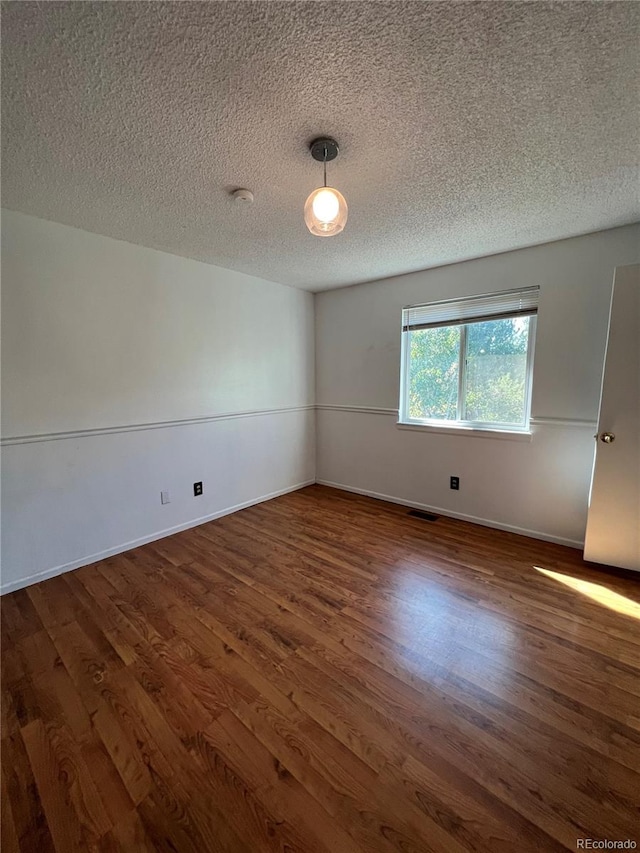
(161, 534)
(485, 522)
(143, 540)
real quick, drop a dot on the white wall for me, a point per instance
(539, 486)
(127, 371)
(101, 338)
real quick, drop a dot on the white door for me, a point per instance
(613, 525)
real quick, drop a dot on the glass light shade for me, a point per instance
(325, 212)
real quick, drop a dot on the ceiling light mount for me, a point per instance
(324, 149)
(325, 211)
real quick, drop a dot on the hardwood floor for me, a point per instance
(323, 673)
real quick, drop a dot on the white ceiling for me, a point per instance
(465, 128)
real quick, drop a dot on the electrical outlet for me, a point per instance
(197, 489)
(454, 483)
(164, 498)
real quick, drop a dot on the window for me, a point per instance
(468, 362)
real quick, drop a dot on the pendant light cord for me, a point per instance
(325, 166)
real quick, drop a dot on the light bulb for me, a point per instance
(325, 205)
(325, 212)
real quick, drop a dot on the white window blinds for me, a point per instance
(471, 309)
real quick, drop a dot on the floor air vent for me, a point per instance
(425, 516)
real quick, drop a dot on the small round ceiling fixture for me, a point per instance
(242, 195)
(325, 211)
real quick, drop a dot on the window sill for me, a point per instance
(476, 432)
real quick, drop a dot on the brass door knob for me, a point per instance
(607, 437)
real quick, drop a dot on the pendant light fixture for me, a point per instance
(325, 211)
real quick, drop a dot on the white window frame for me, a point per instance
(459, 424)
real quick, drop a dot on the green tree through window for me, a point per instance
(433, 373)
(493, 385)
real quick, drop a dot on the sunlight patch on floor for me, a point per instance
(596, 592)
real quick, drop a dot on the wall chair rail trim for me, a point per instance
(226, 416)
(535, 421)
(87, 433)
(363, 410)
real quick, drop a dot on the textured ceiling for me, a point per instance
(465, 128)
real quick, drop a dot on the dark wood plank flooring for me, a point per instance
(323, 673)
